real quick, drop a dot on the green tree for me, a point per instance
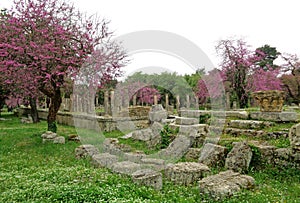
(267, 56)
(193, 79)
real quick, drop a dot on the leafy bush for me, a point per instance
(167, 136)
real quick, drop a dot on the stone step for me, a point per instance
(186, 121)
(275, 116)
(187, 129)
(219, 114)
(249, 124)
(247, 132)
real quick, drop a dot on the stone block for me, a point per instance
(186, 121)
(225, 184)
(134, 156)
(186, 173)
(104, 160)
(158, 116)
(294, 137)
(148, 177)
(212, 155)
(86, 150)
(153, 163)
(247, 132)
(249, 124)
(176, 149)
(274, 116)
(193, 154)
(59, 140)
(239, 158)
(126, 167)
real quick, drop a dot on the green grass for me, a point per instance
(31, 171)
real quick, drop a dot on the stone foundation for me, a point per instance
(103, 123)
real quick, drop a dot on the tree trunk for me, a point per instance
(33, 111)
(55, 103)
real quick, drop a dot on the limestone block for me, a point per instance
(186, 121)
(239, 158)
(148, 177)
(104, 160)
(294, 137)
(225, 184)
(85, 151)
(59, 140)
(126, 167)
(212, 155)
(186, 173)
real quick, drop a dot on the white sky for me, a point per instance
(203, 22)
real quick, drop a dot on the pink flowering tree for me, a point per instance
(210, 86)
(144, 92)
(237, 62)
(146, 95)
(262, 80)
(43, 42)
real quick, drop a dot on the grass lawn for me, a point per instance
(31, 171)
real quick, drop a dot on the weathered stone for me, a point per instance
(225, 184)
(156, 128)
(186, 121)
(197, 132)
(104, 160)
(27, 120)
(217, 114)
(142, 135)
(199, 128)
(212, 155)
(139, 111)
(85, 151)
(151, 136)
(247, 132)
(59, 140)
(283, 157)
(126, 167)
(134, 156)
(74, 137)
(155, 164)
(49, 135)
(177, 148)
(266, 154)
(276, 135)
(148, 177)
(270, 101)
(157, 113)
(283, 153)
(275, 116)
(249, 124)
(294, 137)
(186, 173)
(193, 154)
(112, 146)
(239, 158)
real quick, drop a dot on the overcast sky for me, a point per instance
(203, 22)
